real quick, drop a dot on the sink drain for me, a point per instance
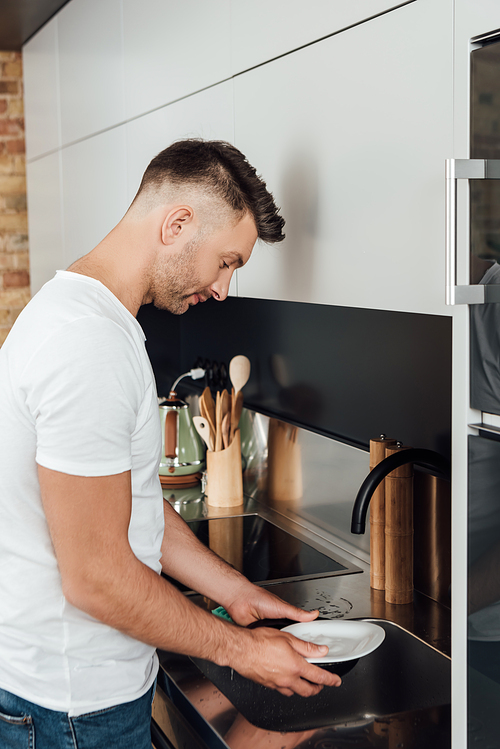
(327, 608)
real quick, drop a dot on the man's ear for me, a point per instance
(176, 223)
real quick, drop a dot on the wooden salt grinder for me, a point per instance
(399, 532)
(377, 516)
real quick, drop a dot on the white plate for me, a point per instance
(345, 639)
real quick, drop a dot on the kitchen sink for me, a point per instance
(403, 675)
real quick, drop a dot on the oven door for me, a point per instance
(483, 295)
(175, 724)
(158, 738)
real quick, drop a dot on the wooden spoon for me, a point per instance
(239, 371)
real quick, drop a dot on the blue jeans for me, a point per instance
(24, 725)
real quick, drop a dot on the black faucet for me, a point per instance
(425, 458)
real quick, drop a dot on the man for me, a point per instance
(84, 529)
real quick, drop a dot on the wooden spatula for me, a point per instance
(207, 410)
(218, 422)
(226, 429)
(236, 413)
(203, 428)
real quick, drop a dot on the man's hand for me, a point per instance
(277, 660)
(251, 604)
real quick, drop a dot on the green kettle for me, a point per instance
(183, 452)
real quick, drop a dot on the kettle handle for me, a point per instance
(171, 434)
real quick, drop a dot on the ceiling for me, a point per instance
(20, 19)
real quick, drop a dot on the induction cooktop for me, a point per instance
(264, 553)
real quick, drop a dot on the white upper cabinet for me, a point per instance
(90, 67)
(94, 189)
(45, 219)
(262, 30)
(208, 114)
(351, 135)
(41, 92)
(173, 49)
(478, 18)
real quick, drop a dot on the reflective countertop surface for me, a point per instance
(349, 596)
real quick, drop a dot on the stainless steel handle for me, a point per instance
(464, 169)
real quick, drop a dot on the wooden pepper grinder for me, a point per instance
(399, 532)
(377, 516)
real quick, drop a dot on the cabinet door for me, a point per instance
(262, 30)
(90, 67)
(94, 183)
(351, 135)
(45, 219)
(173, 49)
(41, 92)
(208, 114)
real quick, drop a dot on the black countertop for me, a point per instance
(397, 698)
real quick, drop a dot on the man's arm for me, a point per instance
(88, 518)
(189, 561)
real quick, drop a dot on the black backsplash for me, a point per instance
(344, 372)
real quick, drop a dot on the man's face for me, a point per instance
(203, 268)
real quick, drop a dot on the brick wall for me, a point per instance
(14, 259)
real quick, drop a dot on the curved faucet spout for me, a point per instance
(425, 458)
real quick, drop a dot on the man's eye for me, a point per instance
(224, 265)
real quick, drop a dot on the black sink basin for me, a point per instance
(402, 675)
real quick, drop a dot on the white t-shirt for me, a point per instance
(77, 395)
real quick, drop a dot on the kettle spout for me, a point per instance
(425, 458)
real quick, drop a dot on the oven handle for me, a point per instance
(456, 169)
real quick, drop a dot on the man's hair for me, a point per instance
(222, 171)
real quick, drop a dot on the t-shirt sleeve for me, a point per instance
(84, 387)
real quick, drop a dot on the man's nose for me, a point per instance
(220, 288)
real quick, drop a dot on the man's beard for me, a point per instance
(174, 277)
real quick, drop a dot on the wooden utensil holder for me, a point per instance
(224, 475)
(399, 532)
(377, 516)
